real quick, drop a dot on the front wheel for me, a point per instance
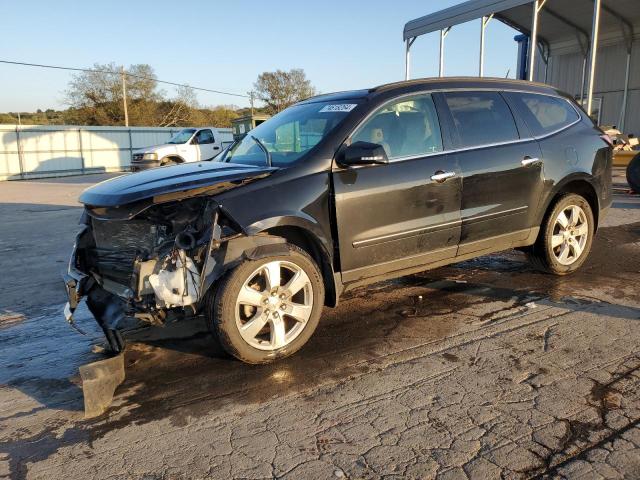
(566, 236)
(166, 162)
(267, 308)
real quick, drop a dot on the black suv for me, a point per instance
(339, 191)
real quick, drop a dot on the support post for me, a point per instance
(406, 59)
(20, 152)
(443, 35)
(594, 53)
(584, 76)
(82, 164)
(124, 97)
(625, 95)
(533, 42)
(130, 149)
(484, 22)
(547, 66)
(481, 66)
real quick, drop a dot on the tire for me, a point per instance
(264, 327)
(633, 173)
(168, 162)
(547, 254)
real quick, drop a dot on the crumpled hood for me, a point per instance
(162, 181)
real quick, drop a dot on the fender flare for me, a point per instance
(256, 242)
(302, 221)
(557, 188)
(322, 245)
(234, 251)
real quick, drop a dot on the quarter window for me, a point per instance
(481, 118)
(404, 128)
(545, 114)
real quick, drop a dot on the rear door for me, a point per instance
(205, 143)
(501, 167)
(400, 215)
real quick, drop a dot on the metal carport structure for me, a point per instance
(548, 24)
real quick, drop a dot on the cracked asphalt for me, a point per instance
(484, 369)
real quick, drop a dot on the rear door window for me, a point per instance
(481, 118)
(407, 127)
(544, 114)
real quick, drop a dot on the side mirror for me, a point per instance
(194, 141)
(363, 153)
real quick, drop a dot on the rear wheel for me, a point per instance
(267, 308)
(566, 236)
(633, 173)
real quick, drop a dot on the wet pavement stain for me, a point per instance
(351, 340)
(581, 437)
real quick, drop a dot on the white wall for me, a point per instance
(37, 151)
(565, 73)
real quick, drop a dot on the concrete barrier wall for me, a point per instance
(38, 151)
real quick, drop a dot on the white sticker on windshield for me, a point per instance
(339, 107)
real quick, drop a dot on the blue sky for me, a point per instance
(225, 45)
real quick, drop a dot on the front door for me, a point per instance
(502, 177)
(204, 144)
(406, 213)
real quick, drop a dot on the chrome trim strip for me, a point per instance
(406, 234)
(433, 228)
(475, 147)
(489, 216)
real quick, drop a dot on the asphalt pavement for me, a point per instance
(483, 369)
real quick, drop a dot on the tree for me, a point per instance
(179, 111)
(96, 96)
(219, 116)
(280, 89)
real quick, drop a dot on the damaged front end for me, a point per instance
(154, 262)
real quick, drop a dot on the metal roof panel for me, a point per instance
(559, 19)
(464, 12)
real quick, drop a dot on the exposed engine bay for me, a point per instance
(155, 264)
(154, 260)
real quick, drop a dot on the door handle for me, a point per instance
(530, 161)
(441, 176)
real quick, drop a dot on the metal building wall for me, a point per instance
(37, 151)
(565, 72)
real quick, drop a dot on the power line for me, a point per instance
(91, 70)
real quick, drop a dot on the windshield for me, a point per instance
(182, 136)
(286, 137)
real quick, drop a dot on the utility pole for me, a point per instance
(124, 97)
(251, 101)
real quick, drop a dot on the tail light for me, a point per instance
(607, 139)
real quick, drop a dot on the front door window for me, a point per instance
(405, 128)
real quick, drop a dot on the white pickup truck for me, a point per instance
(188, 145)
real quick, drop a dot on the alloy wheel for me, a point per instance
(274, 305)
(570, 234)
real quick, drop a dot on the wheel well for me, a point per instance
(584, 189)
(175, 158)
(303, 239)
